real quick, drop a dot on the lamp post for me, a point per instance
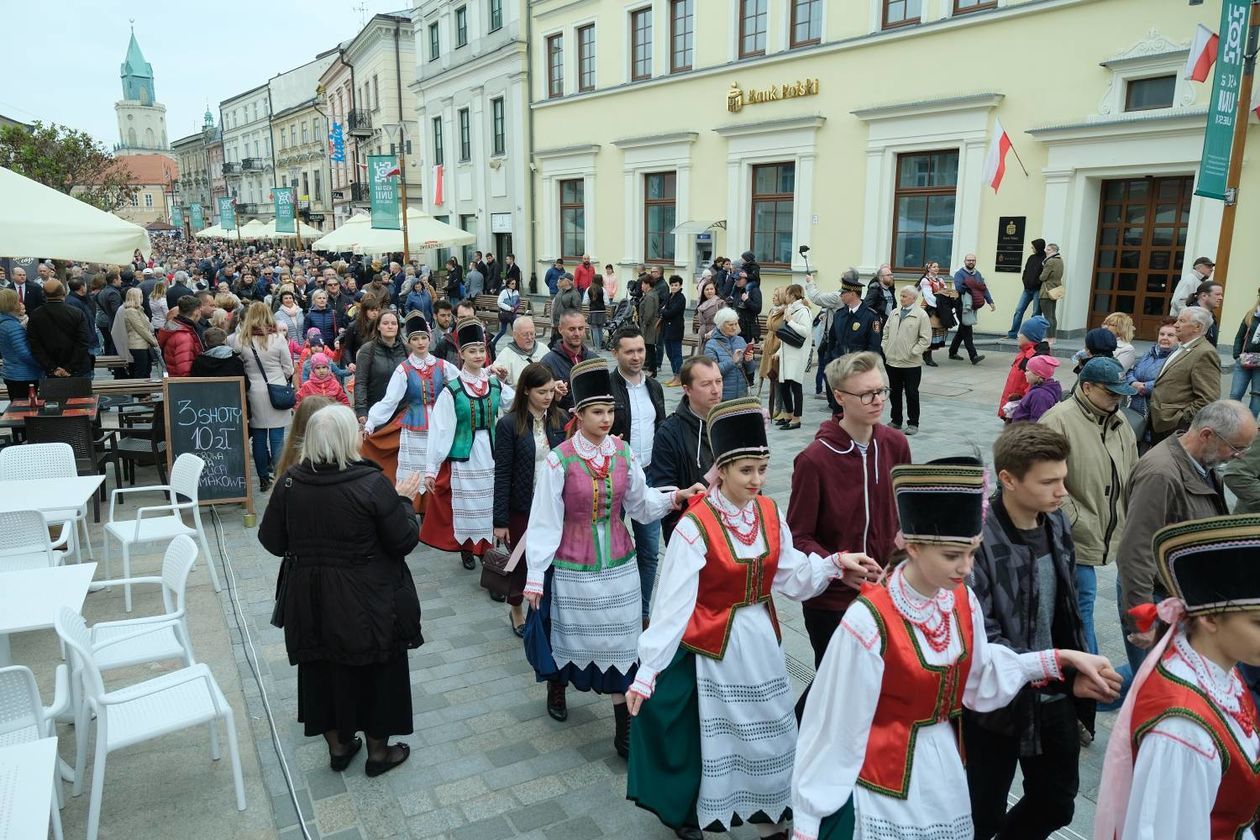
(399, 129)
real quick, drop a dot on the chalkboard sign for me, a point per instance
(208, 418)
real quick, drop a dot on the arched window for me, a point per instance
(131, 137)
(150, 139)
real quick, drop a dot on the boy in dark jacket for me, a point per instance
(218, 359)
(1023, 578)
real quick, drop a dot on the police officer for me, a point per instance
(855, 326)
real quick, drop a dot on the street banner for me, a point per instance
(382, 170)
(1218, 138)
(197, 217)
(177, 217)
(284, 210)
(227, 214)
(337, 144)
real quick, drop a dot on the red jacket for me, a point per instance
(836, 505)
(1016, 383)
(180, 347)
(583, 275)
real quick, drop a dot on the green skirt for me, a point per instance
(840, 825)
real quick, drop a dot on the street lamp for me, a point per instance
(399, 130)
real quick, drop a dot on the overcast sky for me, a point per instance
(61, 58)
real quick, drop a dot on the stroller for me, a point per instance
(622, 314)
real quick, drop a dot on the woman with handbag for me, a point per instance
(768, 368)
(1246, 377)
(796, 336)
(522, 439)
(345, 597)
(269, 375)
(509, 305)
(733, 355)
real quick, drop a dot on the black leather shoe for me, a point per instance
(557, 708)
(621, 738)
(930, 363)
(689, 832)
(955, 357)
(469, 561)
(977, 359)
(337, 763)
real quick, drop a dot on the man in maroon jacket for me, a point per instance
(842, 497)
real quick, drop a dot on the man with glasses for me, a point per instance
(842, 497)
(338, 300)
(1175, 481)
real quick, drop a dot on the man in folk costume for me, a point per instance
(1184, 756)
(713, 745)
(409, 400)
(459, 469)
(878, 753)
(583, 581)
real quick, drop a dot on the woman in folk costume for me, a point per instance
(409, 400)
(1184, 756)
(878, 754)
(459, 469)
(713, 743)
(583, 581)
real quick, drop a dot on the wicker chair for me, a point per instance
(144, 445)
(62, 388)
(91, 454)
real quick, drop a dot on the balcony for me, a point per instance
(231, 168)
(253, 164)
(359, 123)
(243, 210)
(360, 191)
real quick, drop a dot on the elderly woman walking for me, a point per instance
(733, 355)
(346, 598)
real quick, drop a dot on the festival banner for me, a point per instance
(1218, 138)
(382, 170)
(197, 216)
(227, 214)
(284, 210)
(337, 144)
(177, 216)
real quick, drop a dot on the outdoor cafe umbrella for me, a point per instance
(424, 232)
(36, 220)
(212, 232)
(269, 232)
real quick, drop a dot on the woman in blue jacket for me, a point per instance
(21, 371)
(733, 355)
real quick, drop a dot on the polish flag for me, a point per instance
(395, 171)
(437, 184)
(995, 161)
(1202, 54)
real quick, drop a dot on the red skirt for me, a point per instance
(438, 528)
(382, 447)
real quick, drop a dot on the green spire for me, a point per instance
(137, 75)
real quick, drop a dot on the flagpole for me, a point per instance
(1225, 244)
(1017, 158)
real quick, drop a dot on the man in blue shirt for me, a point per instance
(553, 276)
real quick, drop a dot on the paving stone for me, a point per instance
(540, 815)
(581, 828)
(511, 754)
(348, 834)
(325, 783)
(435, 823)
(335, 813)
(494, 828)
(489, 805)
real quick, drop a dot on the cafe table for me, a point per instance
(19, 410)
(48, 495)
(32, 598)
(26, 788)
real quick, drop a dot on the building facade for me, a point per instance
(192, 153)
(141, 118)
(864, 136)
(154, 177)
(299, 132)
(472, 106)
(248, 167)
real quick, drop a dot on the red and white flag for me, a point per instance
(393, 172)
(995, 161)
(1202, 54)
(437, 184)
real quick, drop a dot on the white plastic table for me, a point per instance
(31, 599)
(26, 789)
(48, 494)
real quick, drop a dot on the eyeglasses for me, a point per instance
(1238, 453)
(869, 397)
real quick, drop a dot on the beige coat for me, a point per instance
(139, 333)
(1189, 380)
(906, 340)
(793, 360)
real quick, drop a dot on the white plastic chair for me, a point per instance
(24, 718)
(140, 712)
(50, 460)
(24, 542)
(157, 523)
(151, 638)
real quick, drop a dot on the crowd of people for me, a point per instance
(948, 607)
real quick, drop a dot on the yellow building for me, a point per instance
(670, 131)
(299, 140)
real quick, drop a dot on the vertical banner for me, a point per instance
(1218, 138)
(227, 214)
(284, 210)
(197, 217)
(337, 144)
(384, 191)
(177, 216)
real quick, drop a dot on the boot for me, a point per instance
(621, 740)
(469, 561)
(927, 359)
(556, 706)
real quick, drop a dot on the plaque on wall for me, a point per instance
(1010, 244)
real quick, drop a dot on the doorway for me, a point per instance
(1142, 226)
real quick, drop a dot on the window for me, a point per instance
(135, 201)
(376, 94)
(465, 136)
(752, 28)
(496, 15)
(255, 110)
(306, 187)
(962, 6)
(148, 199)
(659, 198)
(292, 136)
(468, 224)
(773, 188)
(437, 142)
(306, 133)
(284, 144)
(319, 191)
(555, 66)
(681, 27)
(1149, 94)
(586, 57)
(901, 12)
(500, 130)
(435, 42)
(641, 44)
(807, 22)
(923, 220)
(442, 254)
(572, 219)
(461, 27)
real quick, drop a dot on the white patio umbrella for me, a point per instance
(253, 229)
(423, 232)
(36, 220)
(212, 232)
(308, 232)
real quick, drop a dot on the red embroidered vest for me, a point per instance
(913, 694)
(727, 582)
(1163, 695)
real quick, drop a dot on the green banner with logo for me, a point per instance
(197, 217)
(383, 178)
(227, 214)
(284, 210)
(1222, 113)
(177, 217)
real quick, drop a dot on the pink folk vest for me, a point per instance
(592, 503)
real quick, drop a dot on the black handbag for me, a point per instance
(790, 336)
(286, 568)
(502, 574)
(281, 396)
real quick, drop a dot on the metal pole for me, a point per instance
(1225, 244)
(402, 187)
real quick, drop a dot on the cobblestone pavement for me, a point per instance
(486, 760)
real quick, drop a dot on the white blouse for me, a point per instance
(442, 421)
(379, 414)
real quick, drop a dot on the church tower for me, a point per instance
(141, 120)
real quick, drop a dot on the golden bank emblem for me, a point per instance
(737, 98)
